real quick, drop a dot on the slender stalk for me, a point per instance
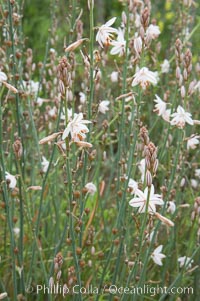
(89, 108)
(8, 210)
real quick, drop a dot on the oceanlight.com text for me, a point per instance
(64, 290)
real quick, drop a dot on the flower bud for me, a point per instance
(183, 92)
(59, 275)
(155, 166)
(148, 178)
(18, 149)
(124, 18)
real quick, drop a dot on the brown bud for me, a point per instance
(68, 241)
(145, 17)
(82, 263)
(16, 250)
(114, 230)
(77, 194)
(78, 251)
(87, 210)
(18, 149)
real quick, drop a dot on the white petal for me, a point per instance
(110, 22)
(65, 133)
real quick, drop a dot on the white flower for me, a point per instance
(82, 97)
(161, 109)
(12, 182)
(137, 44)
(52, 112)
(3, 76)
(150, 235)
(105, 33)
(3, 295)
(69, 114)
(182, 183)
(194, 183)
(183, 261)
(103, 106)
(133, 185)
(119, 44)
(165, 66)
(52, 51)
(144, 77)
(114, 77)
(193, 142)
(157, 256)
(16, 232)
(152, 32)
(39, 101)
(45, 164)
(197, 172)
(181, 117)
(141, 200)
(160, 106)
(31, 86)
(77, 128)
(171, 207)
(91, 188)
(142, 169)
(166, 115)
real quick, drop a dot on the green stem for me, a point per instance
(8, 208)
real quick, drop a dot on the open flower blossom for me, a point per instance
(166, 115)
(144, 77)
(82, 97)
(133, 185)
(52, 112)
(157, 256)
(183, 261)
(141, 200)
(181, 117)
(105, 33)
(171, 207)
(192, 142)
(152, 32)
(161, 109)
(91, 188)
(3, 76)
(39, 101)
(3, 295)
(160, 106)
(114, 76)
(119, 45)
(12, 182)
(45, 164)
(76, 128)
(165, 66)
(16, 232)
(31, 86)
(149, 236)
(194, 183)
(103, 106)
(197, 172)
